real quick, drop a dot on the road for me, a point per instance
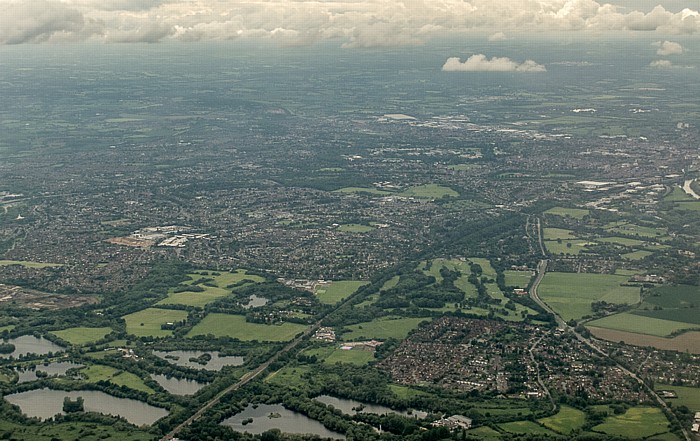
(541, 270)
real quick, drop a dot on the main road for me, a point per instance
(541, 270)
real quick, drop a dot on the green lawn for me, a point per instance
(629, 229)
(235, 326)
(337, 290)
(675, 296)
(571, 294)
(637, 422)
(7, 328)
(636, 255)
(390, 283)
(429, 191)
(95, 373)
(565, 421)
(81, 336)
(640, 324)
(571, 246)
(525, 427)
(486, 268)
(333, 355)
(518, 278)
(405, 392)
(147, 322)
(484, 433)
(621, 241)
(28, 264)
(355, 228)
(221, 279)
(576, 213)
(382, 328)
(290, 377)
(687, 396)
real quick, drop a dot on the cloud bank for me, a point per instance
(361, 23)
(479, 63)
(669, 48)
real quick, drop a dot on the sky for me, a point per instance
(354, 23)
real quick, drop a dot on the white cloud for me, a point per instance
(662, 64)
(668, 48)
(480, 63)
(360, 23)
(498, 36)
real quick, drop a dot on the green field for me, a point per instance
(429, 191)
(372, 191)
(95, 373)
(558, 233)
(571, 294)
(235, 326)
(677, 195)
(565, 421)
(337, 291)
(390, 283)
(571, 246)
(355, 228)
(333, 355)
(629, 229)
(675, 296)
(7, 328)
(290, 377)
(525, 427)
(82, 336)
(405, 392)
(382, 328)
(687, 396)
(637, 422)
(484, 433)
(486, 268)
(147, 322)
(576, 213)
(640, 324)
(28, 264)
(636, 255)
(519, 279)
(621, 241)
(211, 293)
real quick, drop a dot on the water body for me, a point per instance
(352, 407)
(55, 369)
(182, 358)
(28, 344)
(177, 386)
(45, 403)
(285, 420)
(255, 302)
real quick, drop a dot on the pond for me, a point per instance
(275, 416)
(55, 369)
(255, 302)
(45, 403)
(177, 386)
(182, 358)
(352, 407)
(28, 344)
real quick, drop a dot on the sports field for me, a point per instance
(235, 326)
(333, 355)
(337, 291)
(382, 328)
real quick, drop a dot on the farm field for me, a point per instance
(518, 278)
(81, 336)
(382, 328)
(687, 396)
(235, 326)
(147, 322)
(576, 213)
(29, 264)
(211, 293)
(571, 294)
(565, 421)
(95, 373)
(333, 355)
(637, 422)
(639, 324)
(686, 342)
(337, 290)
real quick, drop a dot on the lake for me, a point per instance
(54, 369)
(182, 358)
(45, 403)
(177, 386)
(28, 344)
(351, 407)
(283, 419)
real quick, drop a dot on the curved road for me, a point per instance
(541, 270)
